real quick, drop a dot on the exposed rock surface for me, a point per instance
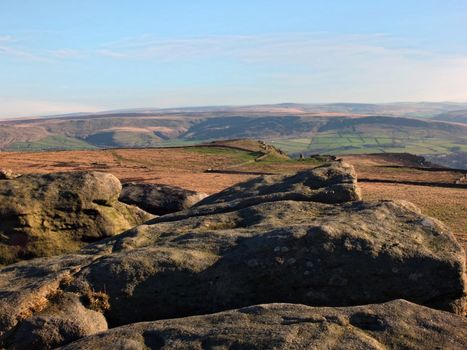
(287, 251)
(274, 239)
(159, 199)
(334, 183)
(7, 174)
(394, 325)
(42, 215)
(63, 321)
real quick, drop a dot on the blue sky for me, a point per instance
(79, 55)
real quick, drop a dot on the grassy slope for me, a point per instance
(54, 142)
(294, 134)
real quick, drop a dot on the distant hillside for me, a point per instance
(254, 127)
(288, 126)
(454, 116)
(401, 109)
(115, 130)
(456, 160)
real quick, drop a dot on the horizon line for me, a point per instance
(136, 109)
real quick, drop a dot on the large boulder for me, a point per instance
(332, 183)
(284, 243)
(393, 325)
(296, 252)
(42, 215)
(159, 199)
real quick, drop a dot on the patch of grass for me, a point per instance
(97, 301)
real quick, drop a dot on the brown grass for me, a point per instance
(186, 169)
(165, 166)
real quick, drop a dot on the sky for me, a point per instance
(86, 55)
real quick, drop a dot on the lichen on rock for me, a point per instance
(43, 215)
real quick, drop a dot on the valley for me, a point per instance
(306, 129)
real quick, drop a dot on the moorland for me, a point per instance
(212, 167)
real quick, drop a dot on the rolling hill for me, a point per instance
(453, 116)
(295, 128)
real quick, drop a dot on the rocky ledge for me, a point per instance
(302, 239)
(42, 215)
(393, 325)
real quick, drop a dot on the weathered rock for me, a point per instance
(159, 199)
(54, 326)
(394, 325)
(332, 183)
(7, 174)
(287, 251)
(27, 287)
(42, 215)
(220, 256)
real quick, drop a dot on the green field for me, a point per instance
(365, 138)
(292, 145)
(357, 142)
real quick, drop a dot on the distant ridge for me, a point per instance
(453, 116)
(422, 109)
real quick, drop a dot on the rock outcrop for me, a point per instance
(333, 183)
(7, 174)
(303, 239)
(393, 325)
(42, 215)
(54, 326)
(159, 199)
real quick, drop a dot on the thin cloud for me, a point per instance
(11, 47)
(355, 65)
(112, 54)
(21, 54)
(297, 66)
(65, 53)
(297, 47)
